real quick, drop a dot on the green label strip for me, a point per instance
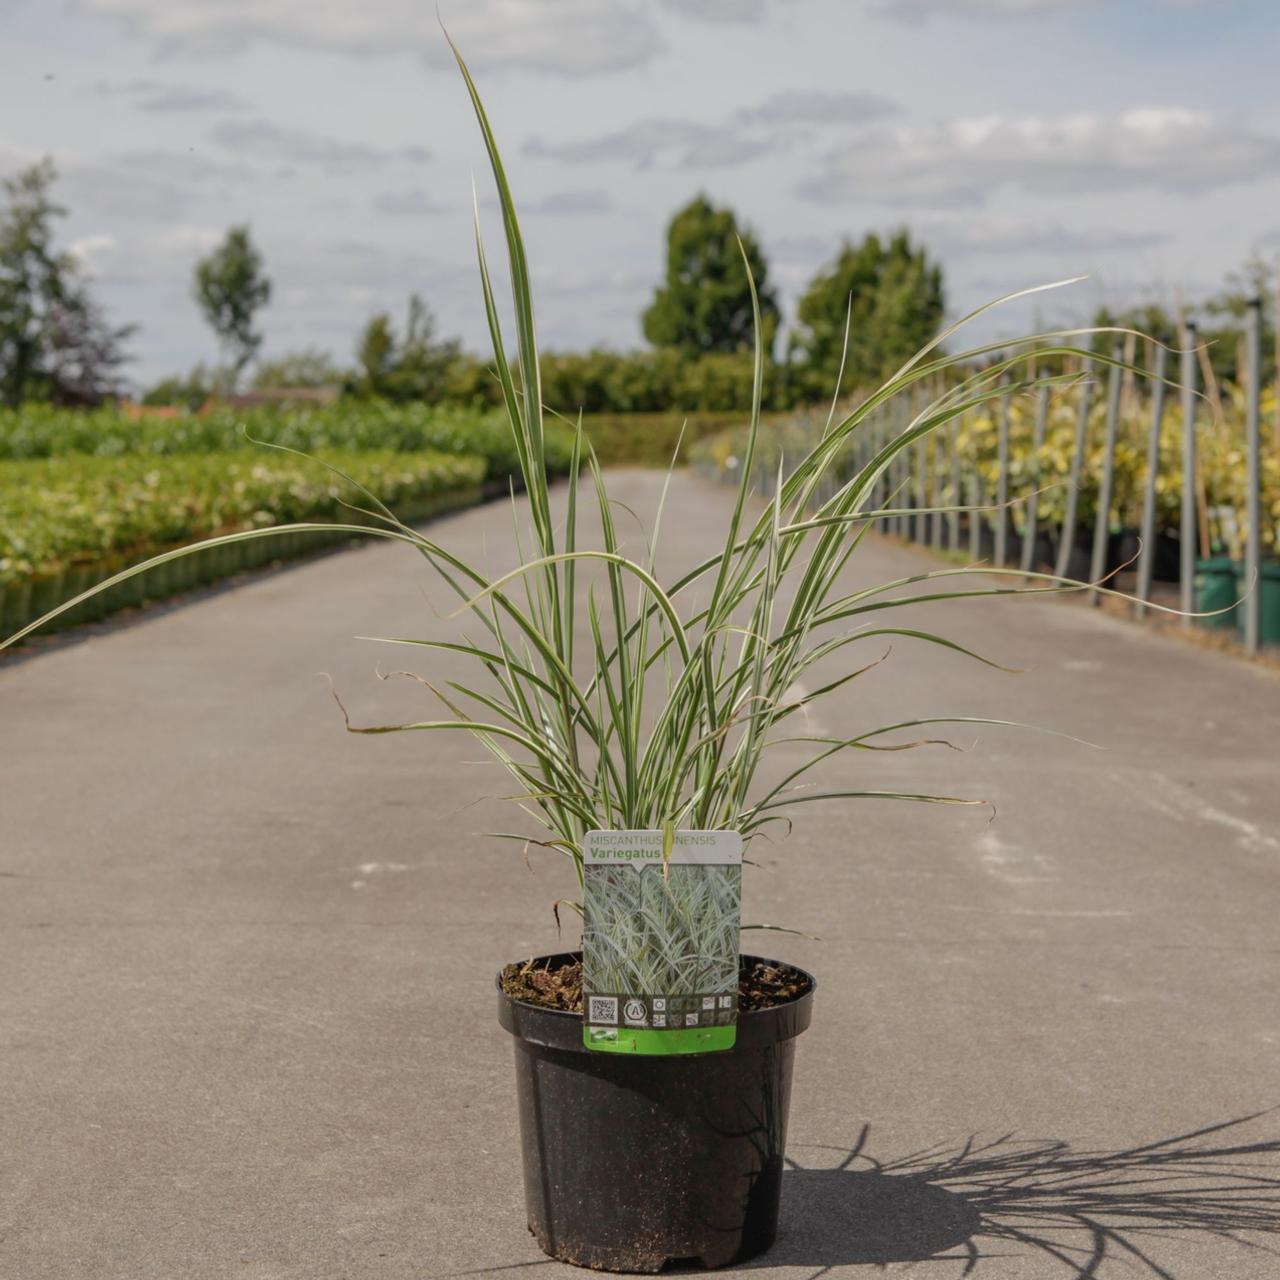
(657, 1043)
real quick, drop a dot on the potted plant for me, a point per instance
(642, 705)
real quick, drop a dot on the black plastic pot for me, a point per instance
(636, 1163)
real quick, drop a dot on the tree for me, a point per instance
(1148, 318)
(55, 342)
(230, 286)
(86, 354)
(415, 368)
(375, 354)
(308, 368)
(1255, 278)
(424, 358)
(190, 391)
(892, 297)
(705, 304)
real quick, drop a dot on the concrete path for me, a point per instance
(246, 1023)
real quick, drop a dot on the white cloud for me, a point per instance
(564, 37)
(186, 168)
(113, 193)
(569, 203)
(146, 187)
(916, 10)
(919, 10)
(803, 249)
(359, 264)
(1170, 149)
(143, 259)
(814, 106)
(92, 253)
(954, 239)
(960, 241)
(783, 120)
(418, 203)
(574, 284)
(738, 12)
(683, 144)
(161, 97)
(189, 239)
(261, 140)
(414, 203)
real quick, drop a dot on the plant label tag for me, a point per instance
(662, 920)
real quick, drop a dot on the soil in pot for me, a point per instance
(761, 984)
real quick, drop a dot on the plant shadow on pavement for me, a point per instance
(1090, 1212)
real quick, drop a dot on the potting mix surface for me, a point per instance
(761, 985)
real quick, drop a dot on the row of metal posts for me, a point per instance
(911, 485)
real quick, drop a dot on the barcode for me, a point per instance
(602, 1009)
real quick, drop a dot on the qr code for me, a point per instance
(602, 1009)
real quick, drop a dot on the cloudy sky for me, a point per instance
(1024, 140)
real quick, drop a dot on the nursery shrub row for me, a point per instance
(67, 523)
(43, 431)
(1220, 444)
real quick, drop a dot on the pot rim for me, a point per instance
(562, 1029)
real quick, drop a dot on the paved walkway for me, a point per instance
(246, 1024)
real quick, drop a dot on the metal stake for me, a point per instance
(921, 494)
(877, 443)
(1187, 529)
(902, 494)
(1102, 524)
(975, 516)
(1147, 553)
(1253, 497)
(1067, 541)
(1002, 483)
(1033, 502)
(935, 495)
(953, 517)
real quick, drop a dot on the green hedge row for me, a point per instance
(655, 381)
(649, 439)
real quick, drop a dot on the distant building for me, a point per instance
(136, 412)
(275, 395)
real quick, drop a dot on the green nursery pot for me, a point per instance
(1215, 584)
(137, 589)
(161, 585)
(1268, 588)
(184, 574)
(47, 593)
(17, 609)
(204, 566)
(100, 605)
(74, 581)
